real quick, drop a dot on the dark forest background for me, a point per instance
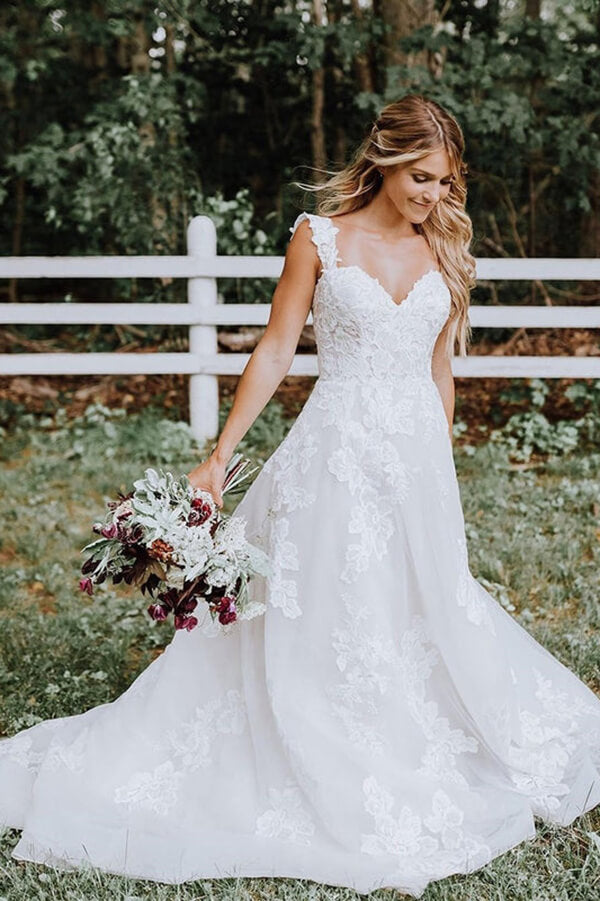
(120, 120)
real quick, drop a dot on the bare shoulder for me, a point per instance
(293, 295)
(301, 251)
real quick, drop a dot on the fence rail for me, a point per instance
(203, 313)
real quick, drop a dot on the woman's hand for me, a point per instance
(209, 476)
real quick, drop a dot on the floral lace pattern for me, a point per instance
(189, 747)
(361, 332)
(363, 358)
(287, 466)
(404, 835)
(286, 819)
(365, 658)
(549, 740)
(68, 755)
(418, 656)
(21, 748)
(371, 663)
(468, 594)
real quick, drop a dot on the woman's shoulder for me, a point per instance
(317, 223)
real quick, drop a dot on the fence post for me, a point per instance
(202, 293)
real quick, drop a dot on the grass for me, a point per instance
(533, 540)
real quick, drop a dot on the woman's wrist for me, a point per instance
(221, 455)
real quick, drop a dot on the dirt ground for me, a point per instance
(478, 400)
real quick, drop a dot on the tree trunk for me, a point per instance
(401, 19)
(362, 63)
(590, 224)
(317, 130)
(533, 8)
(17, 234)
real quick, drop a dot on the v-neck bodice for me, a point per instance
(360, 330)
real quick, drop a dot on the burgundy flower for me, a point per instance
(201, 511)
(185, 622)
(225, 602)
(169, 598)
(130, 535)
(158, 612)
(187, 605)
(227, 616)
(86, 585)
(227, 611)
(109, 531)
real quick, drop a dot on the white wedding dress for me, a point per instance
(386, 722)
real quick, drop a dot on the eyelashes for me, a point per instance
(421, 180)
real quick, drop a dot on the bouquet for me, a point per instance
(172, 541)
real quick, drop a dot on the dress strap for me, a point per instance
(323, 233)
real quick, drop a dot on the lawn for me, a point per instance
(534, 543)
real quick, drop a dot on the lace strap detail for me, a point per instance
(323, 233)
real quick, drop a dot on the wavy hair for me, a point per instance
(407, 130)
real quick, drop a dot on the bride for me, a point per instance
(385, 722)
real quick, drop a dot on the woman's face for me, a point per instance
(416, 187)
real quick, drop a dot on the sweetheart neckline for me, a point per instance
(375, 280)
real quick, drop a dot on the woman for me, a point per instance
(386, 722)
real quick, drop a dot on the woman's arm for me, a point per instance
(441, 371)
(273, 355)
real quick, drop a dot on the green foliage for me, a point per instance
(238, 234)
(116, 160)
(120, 181)
(532, 544)
(530, 432)
(526, 433)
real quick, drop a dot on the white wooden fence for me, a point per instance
(203, 313)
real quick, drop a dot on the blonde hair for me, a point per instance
(407, 130)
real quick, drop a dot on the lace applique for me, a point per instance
(374, 383)
(361, 334)
(191, 742)
(550, 739)
(443, 476)
(404, 835)
(432, 418)
(286, 819)
(379, 479)
(283, 593)
(370, 662)
(471, 595)
(323, 233)
(443, 742)
(287, 465)
(497, 715)
(385, 411)
(366, 661)
(20, 748)
(189, 746)
(157, 790)
(69, 755)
